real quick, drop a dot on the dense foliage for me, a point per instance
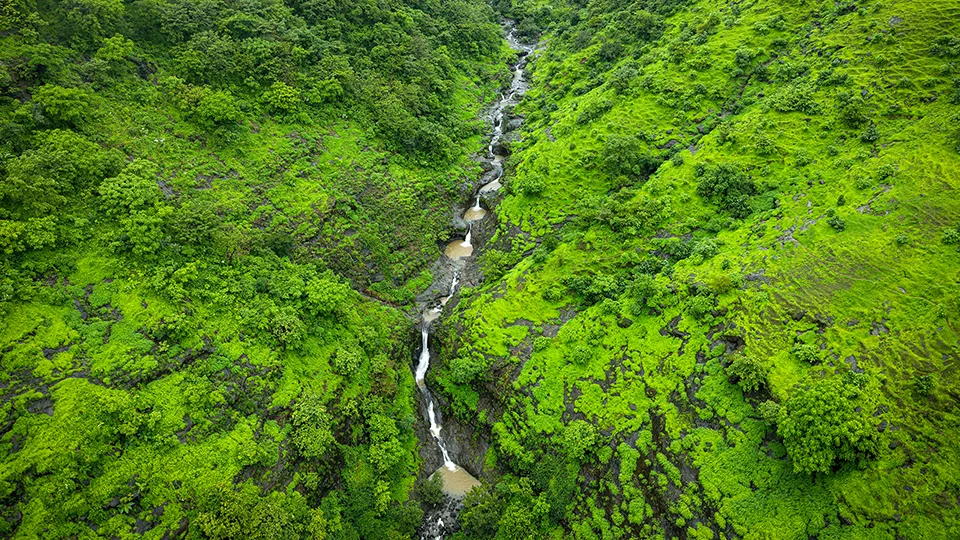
(739, 267)
(193, 196)
(720, 300)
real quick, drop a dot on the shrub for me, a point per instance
(622, 77)
(593, 110)
(531, 185)
(806, 353)
(885, 171)
(748, 372)
(466, 369)
(743, 56)
(312, 427)
(851, 109)
(430, 491)
(823, 425)
(552, 293)
(541, 343)
(581, 355)
(863, 182)
(871, 134)
(764, 145)
(946, 47)
(923, 384)
(902, 239)
(596, 287)
(795, 97)
(699, 307)
(837, 223)
(281, 97)
(622, 155)
(68, 107)
(578, 439)
(346, 362)
(727, 186)
(950, 237)
(769, 410)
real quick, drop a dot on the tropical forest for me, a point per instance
(480, 269)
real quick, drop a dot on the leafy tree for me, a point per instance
(578, 439)
(837, 223)
(748, 372)
(871, 134)
(85, 22)
(65, 107)
(326, 296)
(134, 199)
(482, 508)
(281, 97)
(312, 426)
(726, 185)
(700, 306)
(346, 362)
(622, 77)
(430, 491)
(823, 424)
(806, 352)
(38, 181)
(851, 109)
(242, 513)
(769, 410)
(622, 156)
(645, 26)
(467, 367)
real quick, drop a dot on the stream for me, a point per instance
(456, 261)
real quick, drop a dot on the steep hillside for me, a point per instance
(211, 214)
(722, 300)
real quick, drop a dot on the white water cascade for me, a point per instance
(518, 87)
(457, 481)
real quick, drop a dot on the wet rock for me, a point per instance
(44, 406)
(512, 125)
(879, 328)
(624, 322)
(501, 148)
(882, 427)
(852, 360)
(669, 144)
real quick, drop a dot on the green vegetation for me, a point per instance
(201, 203)
(720, 300)
(740, 271)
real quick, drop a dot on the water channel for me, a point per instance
(456, 257)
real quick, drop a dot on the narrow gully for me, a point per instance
(456, 258)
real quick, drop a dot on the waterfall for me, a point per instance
(424, 362)
(457, 481)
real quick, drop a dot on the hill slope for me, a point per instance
(209, 213)
(723, 297)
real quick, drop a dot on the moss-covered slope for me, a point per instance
(723, 299)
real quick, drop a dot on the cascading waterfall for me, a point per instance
(457, 481)
(518, 87)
